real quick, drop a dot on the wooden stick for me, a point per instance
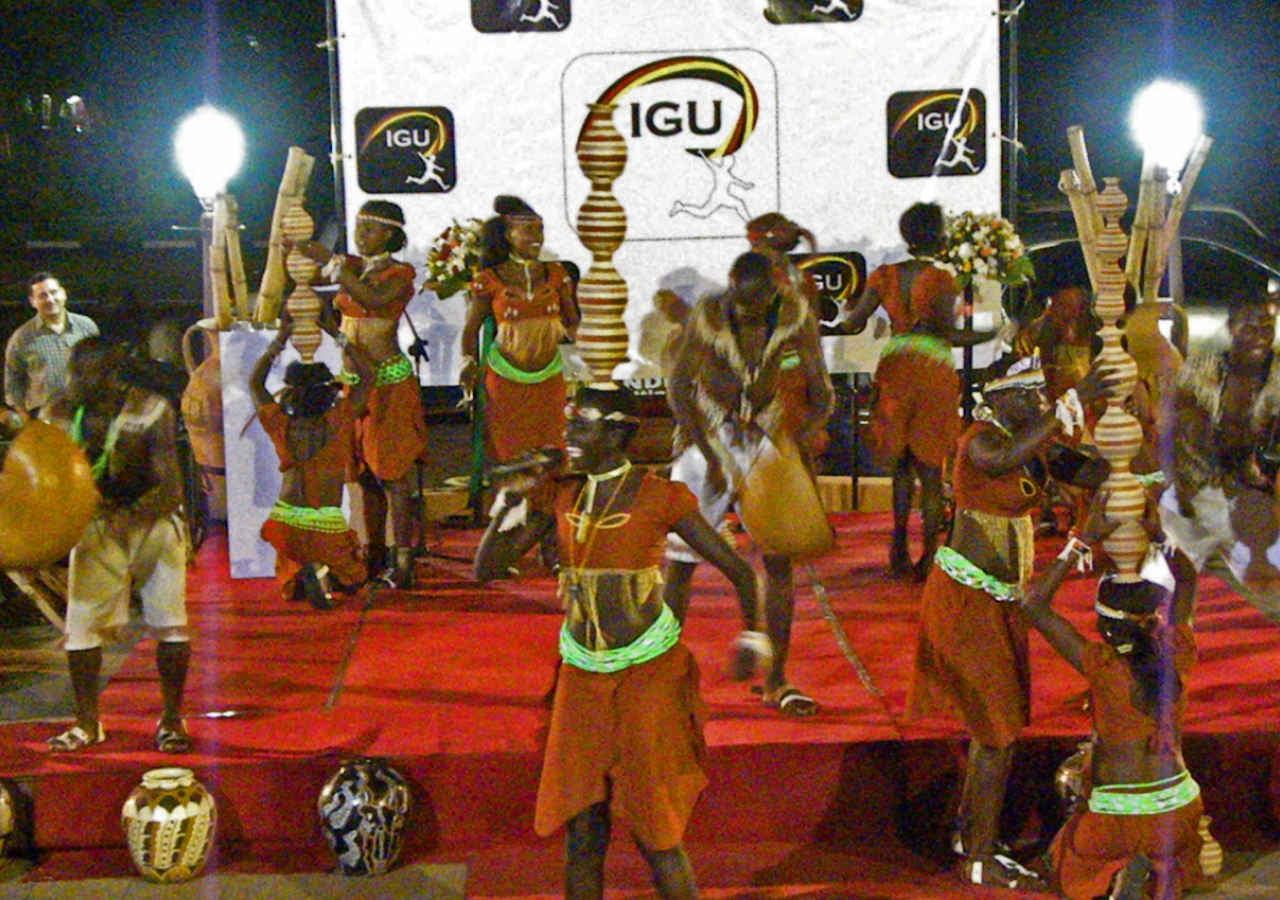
(1145, 222)
(1088, 220)
(1179, 206)
(297, 171)
(1069, 184)
(218, 264)
(235, 261)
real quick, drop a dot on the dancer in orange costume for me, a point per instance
(971, 659)
(313, 429)
(392, 434)
(915, 416)
(625, 738)
(1141, 806)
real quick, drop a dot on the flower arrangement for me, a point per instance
(452, 259)
(985, 245)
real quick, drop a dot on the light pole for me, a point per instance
(1167, 123)
(209, 148)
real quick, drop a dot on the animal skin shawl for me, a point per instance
(1201, 380)
(712, 383)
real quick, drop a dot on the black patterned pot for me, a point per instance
(363, 807)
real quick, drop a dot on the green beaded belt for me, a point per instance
(1150, 478)
(935, 348)
(1116, 799)
(393, 371)
(790, 360)
(966, 573)
(499, 363)
(328, 519)
(660, 637)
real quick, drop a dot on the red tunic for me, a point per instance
(632, 737)
(972, 661)
(392, 433)
(917, 394)
(1092, 847)
(521, 417)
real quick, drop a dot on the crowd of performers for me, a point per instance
(750, 397)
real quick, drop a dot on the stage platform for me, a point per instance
(448, 683)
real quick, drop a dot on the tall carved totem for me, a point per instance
(602, 226)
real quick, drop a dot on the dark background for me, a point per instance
(141, 65)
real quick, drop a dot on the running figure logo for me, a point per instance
(547, 13)
(507, 16)
(831, 7)
(937, 134)
(431, 172)
(961, 152)
(722, 194)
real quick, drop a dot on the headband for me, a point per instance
(381, 220)
(593, 414)
(1025, 374)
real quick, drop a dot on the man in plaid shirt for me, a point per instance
(35, 359)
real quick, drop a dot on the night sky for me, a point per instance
(139, 65)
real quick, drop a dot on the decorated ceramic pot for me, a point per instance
(6, 817)
(363, 807)
(1069, 779)
(169, 821)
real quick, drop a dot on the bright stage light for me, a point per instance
(209, 147)
(1166, 120)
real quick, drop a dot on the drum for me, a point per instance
(779, 503)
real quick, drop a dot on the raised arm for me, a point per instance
(262, 368)
(1038, 597)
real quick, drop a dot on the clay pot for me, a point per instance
(363, 807)
(202, 400)
(6, 817)
(169, 821)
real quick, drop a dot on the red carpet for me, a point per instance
(448, 681)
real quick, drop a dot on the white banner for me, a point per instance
(837, 113)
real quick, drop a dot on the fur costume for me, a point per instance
(1199, 391)
(712, 384)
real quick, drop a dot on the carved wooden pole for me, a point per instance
(1118, 435)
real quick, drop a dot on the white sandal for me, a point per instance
(75, 738)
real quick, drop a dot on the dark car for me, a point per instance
(1224, 254)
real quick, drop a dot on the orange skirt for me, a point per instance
(916, 409)
(392, 434)
(297, 547)
(1092, 847)
(633, 738)
(522, 417)
(972, 662)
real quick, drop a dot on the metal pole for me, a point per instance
(335, 120)
(1013, 141)
(206, 274)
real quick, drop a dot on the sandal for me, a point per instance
(998, 870)
(172, 740)
(751, 649)
(75, 738)
(789, 701)
(311, 584)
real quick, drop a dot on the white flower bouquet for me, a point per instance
(453, 257)
(984, 245)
